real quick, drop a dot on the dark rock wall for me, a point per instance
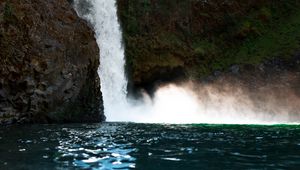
(191, 39)
(48, 64)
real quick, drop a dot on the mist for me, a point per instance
(216, 103)
(269, 96)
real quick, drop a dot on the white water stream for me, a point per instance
(171, 104)
(103, 16)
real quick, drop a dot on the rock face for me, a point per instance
(167, 39)
(48, 64)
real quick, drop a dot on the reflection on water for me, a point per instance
(149, 146)
(101, 147)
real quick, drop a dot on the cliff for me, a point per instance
(48, 64)
(191, 39)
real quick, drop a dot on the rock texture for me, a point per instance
(167, 39)
(48, 64)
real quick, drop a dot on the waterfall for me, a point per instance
(172, 103)
(102, 14)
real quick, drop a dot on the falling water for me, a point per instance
(170, 104)
(102, 14)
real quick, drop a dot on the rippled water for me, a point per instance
(149, 146)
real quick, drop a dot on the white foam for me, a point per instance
(171, 104)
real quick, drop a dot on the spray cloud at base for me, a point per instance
(216, 104)
(223, 103)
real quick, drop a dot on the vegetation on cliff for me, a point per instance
(193, 38)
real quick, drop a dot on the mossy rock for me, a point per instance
(206, 36)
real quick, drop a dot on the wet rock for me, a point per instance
(217, 73)
(204, 36)
(234, 69)
(48, 64)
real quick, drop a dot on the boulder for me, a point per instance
(48, 64)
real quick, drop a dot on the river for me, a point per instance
(149, 146)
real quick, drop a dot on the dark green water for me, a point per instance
(149, 146)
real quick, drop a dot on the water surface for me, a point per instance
(149, 146)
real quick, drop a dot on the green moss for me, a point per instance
(204, 37)
(8, 11)
(204, 48)
(276, 40)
